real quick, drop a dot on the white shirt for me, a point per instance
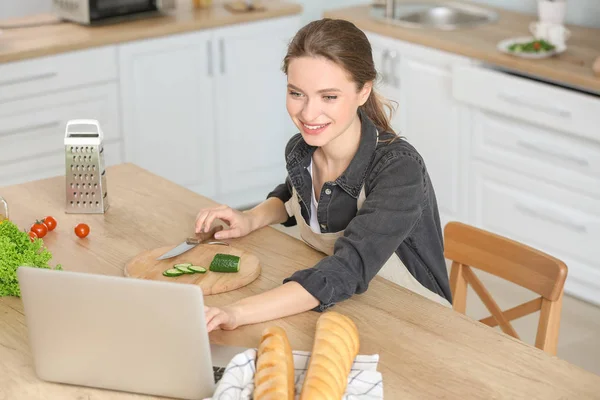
(314, 222)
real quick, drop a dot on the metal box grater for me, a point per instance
(84, 168)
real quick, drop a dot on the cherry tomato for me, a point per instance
(32, 236)
(40, 229)
(82, 230)
(50, 222)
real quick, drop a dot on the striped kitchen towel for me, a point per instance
(364, 381)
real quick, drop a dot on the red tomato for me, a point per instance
(39, 229)
(82, 230)
(50, 222)
(32, 236)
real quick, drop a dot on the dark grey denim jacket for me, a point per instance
(399, 214)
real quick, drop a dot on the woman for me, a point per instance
(358, 192)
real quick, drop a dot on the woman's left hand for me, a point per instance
(220, 318)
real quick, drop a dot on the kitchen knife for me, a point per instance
(191, 242)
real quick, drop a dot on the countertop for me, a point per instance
(427, 351)
(573, 67)
(53, 38)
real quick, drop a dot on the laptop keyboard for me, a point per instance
(218, 373)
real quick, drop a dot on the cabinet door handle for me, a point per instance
(209, 57)
(533, 104)
(384, 57)
(30, 78)
(36, 127)
(566, 157)
(395, 81)
(222, 55)
(539, 215)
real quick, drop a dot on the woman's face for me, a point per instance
(322, 99)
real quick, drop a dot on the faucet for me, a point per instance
(390, 8)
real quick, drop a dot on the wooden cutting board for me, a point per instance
(146, 266)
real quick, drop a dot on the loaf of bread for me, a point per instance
(274, 377)
(335, 347)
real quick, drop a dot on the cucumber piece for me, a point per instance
(182, 265)
(184, 268)
(197, 268)
(172, 272)
(225, 263)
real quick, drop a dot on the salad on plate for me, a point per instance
(532, 46)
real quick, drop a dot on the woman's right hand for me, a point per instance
(220, 318)
(240, 223)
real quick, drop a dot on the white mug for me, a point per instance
(555, 34)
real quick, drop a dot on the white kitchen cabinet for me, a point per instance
(386, 56)
(543, 104)
(252, 123)
(207, 109)
(554, 219)
(167, 98)
(535, 167)
(431, 118)
(32, 77)
(539, 152)
(32, 130)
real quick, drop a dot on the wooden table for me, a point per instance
(426, 350)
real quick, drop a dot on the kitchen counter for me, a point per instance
(573, 67)
(426, 350)
(53, 38)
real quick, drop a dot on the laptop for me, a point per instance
(118, 333)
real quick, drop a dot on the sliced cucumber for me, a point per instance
(198, 269)
(182, 265)
(172, 272)
(184, 268)
(225, 263)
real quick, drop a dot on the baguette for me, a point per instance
(274, 377)
(334, 350)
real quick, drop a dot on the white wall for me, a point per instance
(579, 12)
(22, 8)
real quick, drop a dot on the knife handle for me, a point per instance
(195, 240)
(204, 236)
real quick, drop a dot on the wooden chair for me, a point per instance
(469, 247)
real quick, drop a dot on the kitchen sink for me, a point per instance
(442, 16)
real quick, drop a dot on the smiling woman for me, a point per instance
(359, 193)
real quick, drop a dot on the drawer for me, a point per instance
(553, 219)
(36, 126)
(528, 100)
(44, 74)
(51, 164)
(542, 153)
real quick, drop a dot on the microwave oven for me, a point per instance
(90, 12)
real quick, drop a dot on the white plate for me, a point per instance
(505, 44)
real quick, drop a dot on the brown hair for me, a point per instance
(343, 43)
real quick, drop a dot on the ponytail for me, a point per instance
(375, 108)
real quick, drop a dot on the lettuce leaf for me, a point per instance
(17, 250)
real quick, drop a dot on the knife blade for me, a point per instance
(191, 242)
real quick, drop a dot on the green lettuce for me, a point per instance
(16, 249)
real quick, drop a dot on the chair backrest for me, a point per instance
(469, 247)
